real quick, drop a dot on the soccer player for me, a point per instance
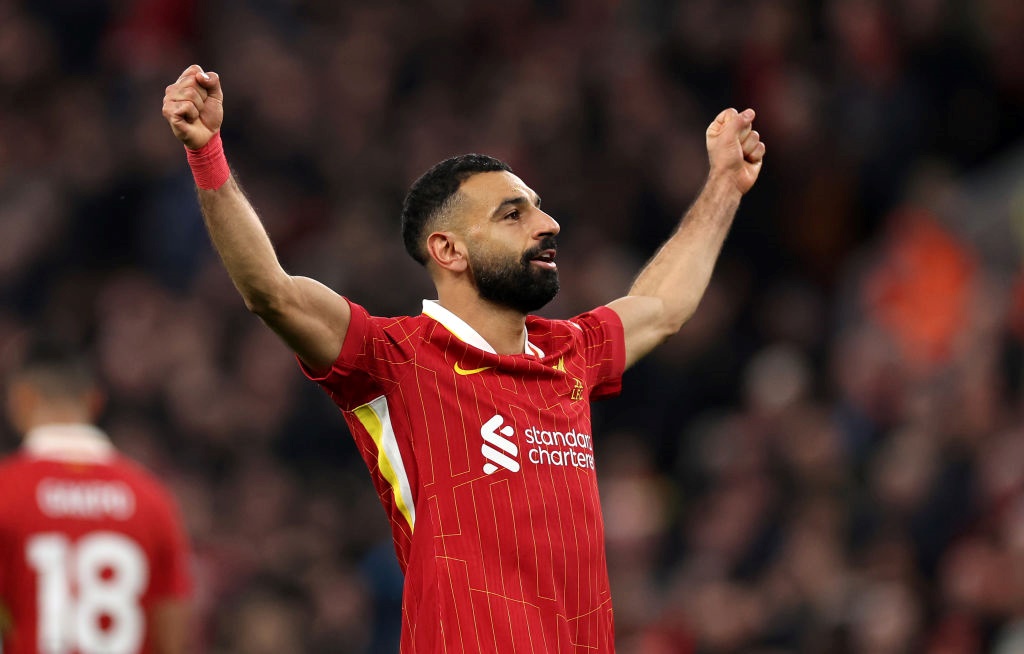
(473, 416)
(93, 558)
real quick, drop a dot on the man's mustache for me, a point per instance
(549, 243)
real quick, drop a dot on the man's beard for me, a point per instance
(518, 285)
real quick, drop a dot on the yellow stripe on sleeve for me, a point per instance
(376, 419)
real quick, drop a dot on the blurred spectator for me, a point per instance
(828, 458)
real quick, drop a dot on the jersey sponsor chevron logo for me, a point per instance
(497, 448)
(459, 370)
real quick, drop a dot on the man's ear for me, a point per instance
(95, 401)
(22, 403)
(447, 251)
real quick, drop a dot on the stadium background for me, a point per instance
(829, 458)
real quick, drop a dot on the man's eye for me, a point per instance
(514, 215)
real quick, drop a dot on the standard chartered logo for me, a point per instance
(500, 440)
(548, 447)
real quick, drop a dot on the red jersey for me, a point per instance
(89, 542)
(485, 465)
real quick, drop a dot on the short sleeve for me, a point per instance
(5, 565)
(172, 569)
(350, 381)
(7, 539)
(604, 348)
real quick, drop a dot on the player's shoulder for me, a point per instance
(601, 320)
(580, 331)
(15, 464)
(17, 483)
(141, 479)
(404, 324)
(394, 326)
(404, 337)
(560, 326)
(11, 459)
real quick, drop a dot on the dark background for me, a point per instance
(828, 458)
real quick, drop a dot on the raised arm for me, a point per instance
(670, 286)
(311, 318)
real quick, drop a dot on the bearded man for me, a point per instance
(473, 417)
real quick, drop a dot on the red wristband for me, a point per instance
(209, 165)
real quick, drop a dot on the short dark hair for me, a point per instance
(430, 194)
(56, 370)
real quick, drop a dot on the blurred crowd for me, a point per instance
(828, 458)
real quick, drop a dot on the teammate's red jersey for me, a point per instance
(89, 542)
(484, 463)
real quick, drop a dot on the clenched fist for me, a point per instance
(735, 148)
(194, 106)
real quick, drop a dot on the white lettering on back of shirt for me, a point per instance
(86, 500)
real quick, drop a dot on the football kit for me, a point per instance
(485, 466)
(89, 543)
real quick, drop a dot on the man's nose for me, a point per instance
(546, 226)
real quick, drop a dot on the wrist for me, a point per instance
(208, 163)
(722, 184)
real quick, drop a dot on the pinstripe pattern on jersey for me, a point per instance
(512, 561)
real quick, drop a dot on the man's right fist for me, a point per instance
(194, 106)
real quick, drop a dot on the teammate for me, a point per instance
(473, 417)
(93, 559)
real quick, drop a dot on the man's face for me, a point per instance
(511, 242)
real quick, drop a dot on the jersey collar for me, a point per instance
(68, 442)
(462, 331)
